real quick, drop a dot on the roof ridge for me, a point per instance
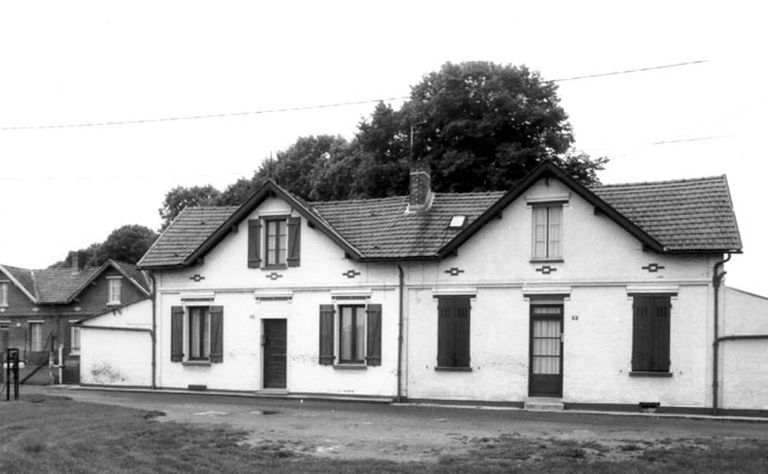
(668, 181)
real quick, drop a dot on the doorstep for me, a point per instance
(544, 404)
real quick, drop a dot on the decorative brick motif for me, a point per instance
(546, 270)
(351, 274)
(197, 277)
(274, 276)
(653, 267)
(454, 271)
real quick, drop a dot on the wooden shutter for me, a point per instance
(254, 243)
(177, 334)
(327, 312)
(217, 333)
(660, 360)
(650, 333)
(294, 241)
(373, 346)
(461, 343)
(445, 332)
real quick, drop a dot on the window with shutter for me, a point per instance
(650, 333)
(453, 331)
(281, 242)
(547, 231)
(358, 339)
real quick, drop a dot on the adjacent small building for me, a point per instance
(39, 310)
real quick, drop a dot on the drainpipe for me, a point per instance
(717, 278)
(399, 397)
(154, 329)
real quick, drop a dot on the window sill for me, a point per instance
(75, 353)
(274, 267)
(199, 363)
(112, 304)
(452, 369)
(350, 367)
(547, 260)
(644, 373)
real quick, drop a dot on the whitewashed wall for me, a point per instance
(234, 286)
(118, 357)
(602, 262)
(744, 371)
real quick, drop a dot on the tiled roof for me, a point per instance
(694, 215)
(24, 277)
(380, 228)
(57, 285)
(682, 215)
(133, 273)
(185, 234)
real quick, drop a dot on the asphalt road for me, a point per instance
(354, 429)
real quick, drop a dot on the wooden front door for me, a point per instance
(274, 343)
(546, 347)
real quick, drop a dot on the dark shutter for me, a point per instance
(294, 241)
(68, 337)
(373, 346)
(254, 246)
(177, 334)
(445, 333)
(217, 333)
(661, 335)
(453, 331)
(326, 334)
(650, 333)
(461, 343)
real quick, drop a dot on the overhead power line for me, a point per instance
(300, 108)
(630, 71)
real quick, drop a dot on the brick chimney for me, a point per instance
(77, 261)
(420, 193)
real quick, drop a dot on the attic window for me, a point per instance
(457, 222)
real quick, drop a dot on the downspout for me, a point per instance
(717, 278)
(399, 397)
(152, 334)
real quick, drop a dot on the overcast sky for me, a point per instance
(66, 63)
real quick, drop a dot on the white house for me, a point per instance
(602, 296)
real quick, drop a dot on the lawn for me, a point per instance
(56, 434)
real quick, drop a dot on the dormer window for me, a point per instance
(457, 222)
(115, 289)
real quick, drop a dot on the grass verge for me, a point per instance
(55, 434)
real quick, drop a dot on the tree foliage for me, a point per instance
(180, 197)
(481, 126)
(125, 244)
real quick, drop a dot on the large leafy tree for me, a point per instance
(480, 125)
(126, 244)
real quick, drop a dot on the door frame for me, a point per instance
(264, 323)
(531, 319)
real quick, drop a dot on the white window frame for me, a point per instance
(115, 286)
(550, 252)
(41, 343)
(74, 334)
(4, 293)
(205, 313)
